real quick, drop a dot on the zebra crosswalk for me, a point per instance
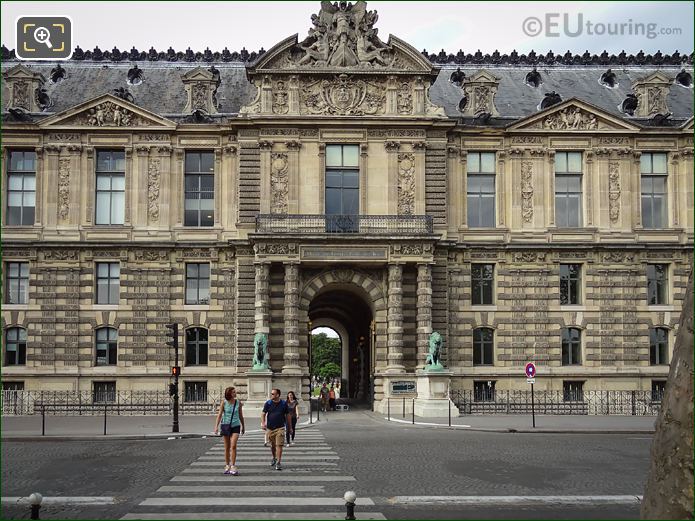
(310, 486)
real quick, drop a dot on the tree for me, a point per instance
(668, 493)
(329, 370)
(324, 351)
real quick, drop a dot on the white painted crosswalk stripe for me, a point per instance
(309, 466)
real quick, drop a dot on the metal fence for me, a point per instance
(124, 403)
(621, 403)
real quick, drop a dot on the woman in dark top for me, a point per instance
(294, 414)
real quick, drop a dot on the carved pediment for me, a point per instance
(23, 89)
(570, 116)
(107, 111)
(652, 94)
(343, 37)
(480, 90)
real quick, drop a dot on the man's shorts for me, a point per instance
(277, 437)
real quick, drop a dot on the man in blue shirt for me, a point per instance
(275, 415)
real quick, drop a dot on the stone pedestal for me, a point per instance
(403, 381)
(259, 385)
(433, 395)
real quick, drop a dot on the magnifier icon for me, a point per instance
(42, 35)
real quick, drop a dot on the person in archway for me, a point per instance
(324, 397)
(292, 405)
(274, 418)
(331, 398)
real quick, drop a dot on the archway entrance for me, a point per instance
(346, 312)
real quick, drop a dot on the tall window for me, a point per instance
(197, 283)
(570, 284)
(658, 346)
(106, 346)
(483, 345)
(195, 392)
(482, 284)
(200, 189)
(21, 188)
(342, 188)
(657, 284)
(108, 282)
(484, 391)
(110, 207)
(104, 392)
(197, 346)
(571, 346)
(568, 189)
(572, 391)
(17, 282)
(654, 173)
(480, 189)
(15, 346)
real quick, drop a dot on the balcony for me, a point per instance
(345, 224)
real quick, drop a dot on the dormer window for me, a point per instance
(608, 79)
(684, 79)
(534, 79)
(135, 76)
(550, 99)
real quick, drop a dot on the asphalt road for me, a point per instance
(390, 464)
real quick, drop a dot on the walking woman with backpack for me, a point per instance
(231, 417)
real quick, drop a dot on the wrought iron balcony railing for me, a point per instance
(353, 224)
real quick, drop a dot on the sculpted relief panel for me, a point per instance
(279, 183)
(406, 184)
(343, 97)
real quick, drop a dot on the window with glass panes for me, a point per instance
(654, 174)
(106, 346)
(342, 187)
(197, 283)
(657, 284)
(572, 391)
(199, 205)
(195, 392)
(483, 345)
(110, 182)
(108, 282)
(15, 346)
(21, 188)
(104, 392)
(482, 284)
(570, 284)
(480, 188)
(16, 282)
(197, 346)
(658, 346)
(568, 189)
(571, 346)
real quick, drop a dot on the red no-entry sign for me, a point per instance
(530, 370)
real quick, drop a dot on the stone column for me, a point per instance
(265, 152)
(177, 187)
(140, 179)
(38, 203)
(589, 186)
(636, 188)
(395, 318)
(129, 187)
(419, 149)
(262, 305)
(291, 355)
(392, 153)
(501, 189)
(424, 311)
(293, 174)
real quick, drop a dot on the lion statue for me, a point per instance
(260, 351)
(434, 352)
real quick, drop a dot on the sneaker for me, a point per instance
(226, 469)
(272, 463)
(265, 443)
(233, 471)
(278, 466)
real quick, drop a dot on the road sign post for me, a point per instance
(530, 371)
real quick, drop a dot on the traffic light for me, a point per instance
(176, 370)
(174, 335)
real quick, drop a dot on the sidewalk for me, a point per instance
(156, 427)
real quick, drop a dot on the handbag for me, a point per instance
(226, 428)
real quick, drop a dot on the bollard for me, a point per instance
(404, 407)
(413, 411)
(35, 500)
(105, 406)
(350, 497)
(388, 408)
(448, 406)
(43, 420)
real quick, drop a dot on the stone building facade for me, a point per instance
(528, 208)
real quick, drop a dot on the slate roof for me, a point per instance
(162, 90)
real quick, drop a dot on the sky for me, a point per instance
(425, 25)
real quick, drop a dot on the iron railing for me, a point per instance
(352, 224)
(124, 403)
(624, 403)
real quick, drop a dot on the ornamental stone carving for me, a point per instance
(201, 86)
(343, 96)
(61, 255)
(614, 191)
(280, 98)
(405, 99)
(279, 183)
(24, 87)
(63, 187)
(527, 191)
(480, 90)
(652, 95)
(20, 95)
(150, 255)
(570, 118)
(153, 180)
(109, 114)
(406, 184)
